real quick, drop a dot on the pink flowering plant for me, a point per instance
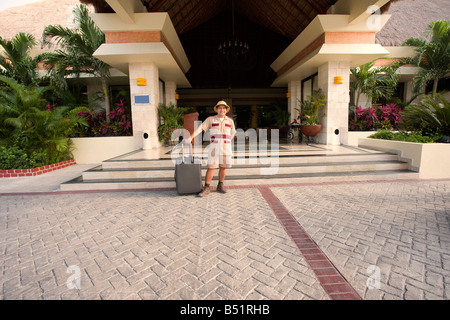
(119, 125)
(376, 117)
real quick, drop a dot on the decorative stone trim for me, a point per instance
(14, 173)
(331, 280)
(133, 36)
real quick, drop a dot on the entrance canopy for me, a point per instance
(240, 44)
(288, 39)
(286, 17)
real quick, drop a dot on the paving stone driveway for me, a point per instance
(402, 229)
(158, 245)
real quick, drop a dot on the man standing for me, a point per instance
(222, 131)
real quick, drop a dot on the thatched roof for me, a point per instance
(34, 17)
(410, 19)
(285, 17)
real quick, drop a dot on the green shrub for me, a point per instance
(30, 124)
(430, 116)
(405, 136)
(383, 135)
(16, 158)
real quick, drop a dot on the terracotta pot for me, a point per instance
(310, 131)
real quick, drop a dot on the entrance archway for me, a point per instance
(174, 41)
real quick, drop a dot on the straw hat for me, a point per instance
(221, 103)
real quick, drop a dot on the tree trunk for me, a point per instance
(358, 93)
(435, 86)
(107, 104)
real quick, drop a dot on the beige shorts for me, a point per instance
(219, 158)
(223, 161)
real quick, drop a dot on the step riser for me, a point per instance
(255, 161)
(105, 175)
(240, 182)
(314, 166)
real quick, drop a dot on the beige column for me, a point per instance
(295, 90)
(144, 113)
(335, 121)
(409, 90)
(171, 89)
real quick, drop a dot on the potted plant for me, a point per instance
(280, 118)
(309, 113)
(171, 118)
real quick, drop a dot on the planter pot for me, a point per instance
(310, 130)
(168, 137)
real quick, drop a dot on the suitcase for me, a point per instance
(188, 174)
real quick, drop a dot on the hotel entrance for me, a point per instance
(230, 58)
(241, 52)
(250, 108)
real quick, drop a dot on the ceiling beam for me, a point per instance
(196, 14)
(289, 13)
(257, 6)
(172, 5)
(157, 6)
(126, 9)
(313, 4)
(174, 13)
(300, 10)
(363, 12)
(205, 16)
(358, 10)
(280, 18)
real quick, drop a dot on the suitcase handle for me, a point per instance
(191, 156)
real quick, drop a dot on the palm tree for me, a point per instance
(431, 115)
(375, 82)
(77, 48)
(432, 57)
(17, 62)
(26, 122)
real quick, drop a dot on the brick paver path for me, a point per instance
(401, 228)
(158, 245)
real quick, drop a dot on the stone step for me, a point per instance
(255, 159)
(146, 170)
(298, 178)
(101, 173)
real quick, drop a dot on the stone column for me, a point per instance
(295, 90)
(171, 89)
(409, 90)
(144, 112)
(335, 121)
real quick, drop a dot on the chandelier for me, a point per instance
(233, 50)
(233, 46)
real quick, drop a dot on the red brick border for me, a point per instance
(14, 173)
(331, 280)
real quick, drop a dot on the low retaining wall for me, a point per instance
(354, 136)
(431, 160)
(97, 149)
(35, 171)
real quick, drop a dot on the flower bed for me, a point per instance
(375, 117)
(35, 171)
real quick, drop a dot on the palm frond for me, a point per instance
(432, 114)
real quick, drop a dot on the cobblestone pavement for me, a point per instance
(402, 229)
(159, 245)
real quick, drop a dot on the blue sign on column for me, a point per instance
(142, 99)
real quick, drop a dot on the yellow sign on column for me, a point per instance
(141, 81)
